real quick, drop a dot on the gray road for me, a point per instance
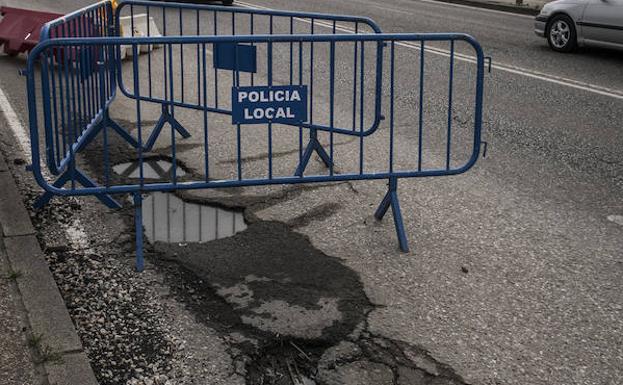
(515, 271)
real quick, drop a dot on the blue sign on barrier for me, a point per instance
(235, 57)
(276, 104)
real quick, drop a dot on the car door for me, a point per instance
(602, 22)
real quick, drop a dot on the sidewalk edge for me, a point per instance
(47, 313)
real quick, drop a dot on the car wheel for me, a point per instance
(561, 34)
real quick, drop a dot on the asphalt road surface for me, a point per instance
(515, 269)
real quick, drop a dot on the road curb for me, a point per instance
(46, 311)
(495, 6)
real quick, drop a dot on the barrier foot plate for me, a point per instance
(391, 200)
(81, 178)
(313, 145)
(165, 117)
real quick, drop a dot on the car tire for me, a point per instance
(561, 34)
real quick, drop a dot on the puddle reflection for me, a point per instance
(167, 218)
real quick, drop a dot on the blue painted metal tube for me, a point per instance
(421, 110)
(308, 17)
(392, 70)
(450, 84)
(68, 43)
(250, 11)
(75, 24)
(138, 228)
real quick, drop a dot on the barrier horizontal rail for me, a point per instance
(439, 129)
(206, 20)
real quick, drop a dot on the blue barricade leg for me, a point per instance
(83, 180)
(165, 117)
(313, 145)
(108, 122)
(138, 228)
(391, 200)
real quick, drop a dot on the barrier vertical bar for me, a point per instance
(356, 61)
(171, 94)
(270, 84)
(138, 228)
(236, 80)
(391, 106)
(331, 100)
(181, 57)
(252, 44)
(300, 127)
(421, 112)
(449, 133)
(137, 92)
(52, 70)
(198, 62)
(215, 69)
(361, 106)
(205, 115)
(149, 49)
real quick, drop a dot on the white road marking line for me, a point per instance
(75, 232)
(554, 79)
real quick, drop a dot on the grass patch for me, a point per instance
(46, 353)
(13, 275)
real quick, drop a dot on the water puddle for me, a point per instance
(152, 169)
(167, 218)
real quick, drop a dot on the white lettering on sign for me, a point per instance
(269, 113)
(270, 96)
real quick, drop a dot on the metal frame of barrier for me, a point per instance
(45, 48)
(70, 128)
(314, 20)
(102, 20)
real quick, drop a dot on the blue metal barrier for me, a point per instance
(404, 98)
(193, 19)
(80, 83)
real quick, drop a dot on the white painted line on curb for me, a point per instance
(75, 232)
(559, 80)
(15, 124)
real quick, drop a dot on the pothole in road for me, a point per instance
(167, 218)
(292, 314)
(153, 168)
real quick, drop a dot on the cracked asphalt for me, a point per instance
(515, 269)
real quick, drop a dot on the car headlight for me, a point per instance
(546, 10)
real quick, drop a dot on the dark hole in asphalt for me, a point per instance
(271, 285)
(167, 218)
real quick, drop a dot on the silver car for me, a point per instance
(568, 24)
